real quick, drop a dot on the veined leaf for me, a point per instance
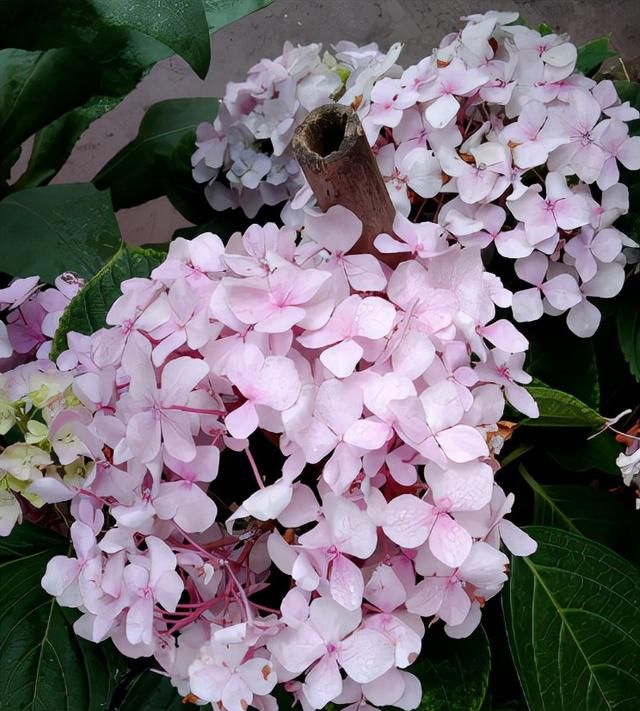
(153, 692)
(223, 12)
(628, 322)
(136, 173)
(36, 88)
(185, 194)
(88, 309)
(548, 360)
(577, 453)
(46, 667)
(454, 672)
(53, 143)
(57, 228)
(592, 54)
(100, 26)
(604, 516)
(559, 409)
(573, 627)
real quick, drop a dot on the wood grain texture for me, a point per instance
(336, 159)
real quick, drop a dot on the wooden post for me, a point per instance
(336, 159)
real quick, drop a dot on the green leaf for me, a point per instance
(592, 54)
(36, 88)
(100, 27)
(628, 322)
(573, 626)
(559, 409)
(601, 515)
(545, 29)
(53, 143)
(223, 12)
(185, 194)
(579, 454)
(87, 311)
(57, 228)
(45, 666)
(549, 361)
(136, 173)
(629, 224)
(628, 91)
(153, 692)
(454, 672)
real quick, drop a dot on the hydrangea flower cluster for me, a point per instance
(379, 379)
(31, 318)
(382, 388)
(245, 157)
(32, 315)
(495, 138)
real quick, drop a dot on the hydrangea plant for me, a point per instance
(275, 456)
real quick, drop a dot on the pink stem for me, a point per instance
(254, 467)
(196, 410)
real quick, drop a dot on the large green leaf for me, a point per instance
(185, 194)
(577, 453)
(57, 228)
(87, 311)
(628, 322)
(100, 27)
(53, 144)
(547, 360)
(592, 54)
(559, 409)
(153, 692)
(36, 88)
(454, 672)
(136, 173)
(45, 667)
(572, 620)
(223, 12)
(604, 516)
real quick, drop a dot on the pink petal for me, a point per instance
(462, 443)
(179, 378)
(449, 542)
(243, 421)
(515, 539)
(407, 520)
(485, 566)
(505, 336)
(342, 358)
(443, 110)
(334, 621)
(337, 230)
(526, 305)
(562, 291)
(583, 319)
(369, 433)
(460, 487)
(323, 683)
(455, 606)
(346, 583)
(467, 626)
(522, 400)
(297, 649)
(427, 597)
(366, 655)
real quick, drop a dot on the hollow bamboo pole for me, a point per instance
(339, 165)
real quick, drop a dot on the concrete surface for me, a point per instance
(418, 23)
